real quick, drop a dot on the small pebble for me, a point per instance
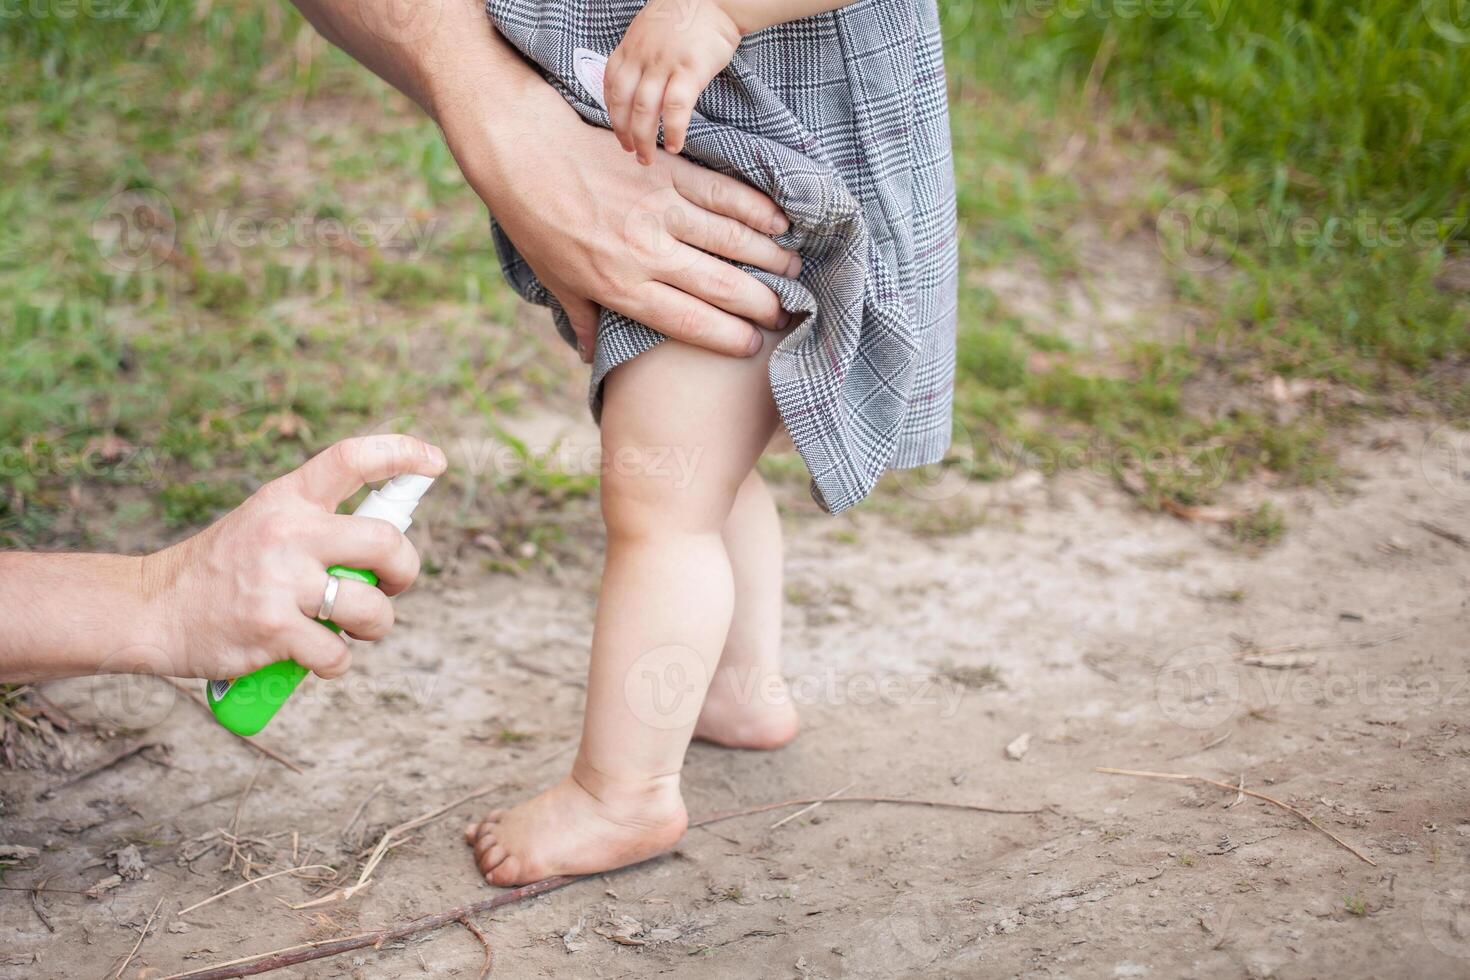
(1016, 751)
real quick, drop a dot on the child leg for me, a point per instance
(748, 705)
(681, 430)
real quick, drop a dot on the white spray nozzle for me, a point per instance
(395, 500)
(408, 488)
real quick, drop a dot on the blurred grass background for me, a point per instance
(1170, 213)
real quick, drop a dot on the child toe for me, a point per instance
(506, 872)
(493, 857)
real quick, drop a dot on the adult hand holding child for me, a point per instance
(598, 230)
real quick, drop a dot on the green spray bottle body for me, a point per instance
(246, 704)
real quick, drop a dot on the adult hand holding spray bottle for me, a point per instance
(247, 704)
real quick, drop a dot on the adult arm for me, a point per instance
(597, 229)
(237, 596)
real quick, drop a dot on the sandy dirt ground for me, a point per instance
(925, 634)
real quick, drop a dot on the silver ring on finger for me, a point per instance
(329, 597)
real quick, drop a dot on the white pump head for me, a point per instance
(395, 500)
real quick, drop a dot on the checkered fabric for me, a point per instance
(842, 119)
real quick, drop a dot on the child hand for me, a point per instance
(669, 54)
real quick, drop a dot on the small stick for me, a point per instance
(16, 716)
(102, 766)
(54, 713)
(240, 804)
(1203, 748)
(278, 959)
(1443, 532)
(198, 699)
(1381, 641)
(386, 843)
(469, 924)
(254, 881)
(1239, 794)
(39, 887)
(1218, 741)
(1185, 778)
(1090, 662)
(358, 812)
(141, 936)
(766, 807)
(809, 807)
(291, 955)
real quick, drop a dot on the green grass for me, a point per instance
(1324, 105)
(302, 261)
(1259, 527)
(1312, 181)
(232, 331)
(186, 504)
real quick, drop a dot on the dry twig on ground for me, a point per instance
(138, 945)
(479, 934)
(107, 763)
(254, 881)
(390, 839)
(305, 952)
(1180, 777)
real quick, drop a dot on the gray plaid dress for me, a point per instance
(842, 119)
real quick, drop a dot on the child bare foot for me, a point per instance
(739, 715)
(568, 830)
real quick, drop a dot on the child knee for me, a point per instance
(641, 497)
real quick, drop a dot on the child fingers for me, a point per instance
(618, 86)
(727, 287)
(643, 124)
(676, 124)
(678, 106)
(362, 611)
(366, 542)
(725, 195)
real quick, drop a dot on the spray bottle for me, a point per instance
(247, 704)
